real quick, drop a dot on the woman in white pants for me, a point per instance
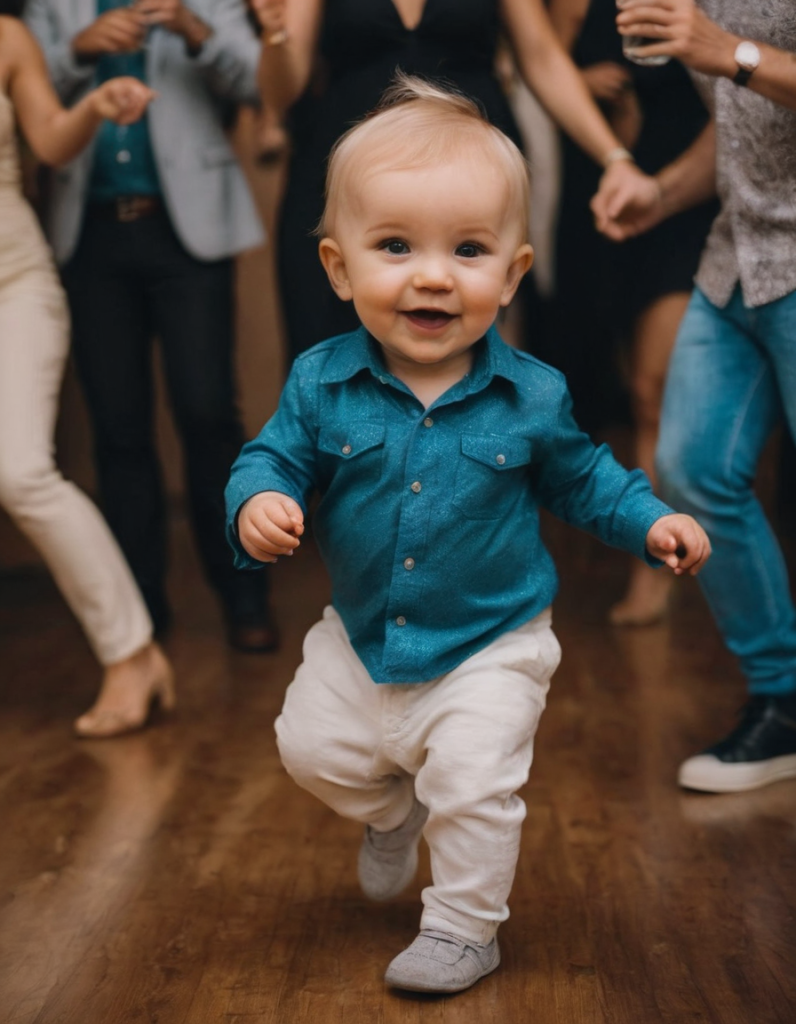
(59, 519)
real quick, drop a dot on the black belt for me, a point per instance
(125, 209)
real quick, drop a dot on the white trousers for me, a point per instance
(463, 743)
(56, 516)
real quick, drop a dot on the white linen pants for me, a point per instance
(463, 743)
(56, 516)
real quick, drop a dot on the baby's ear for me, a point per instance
(334, 265)
(518, 268)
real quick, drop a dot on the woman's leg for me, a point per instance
(59, 519)
(654, 336)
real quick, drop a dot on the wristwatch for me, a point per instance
(747, 57)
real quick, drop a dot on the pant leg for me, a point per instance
(331, 730)
(723, 400)
(469, 737)
(112, 344)
(57, 517)
(463, 743)
(193, 310)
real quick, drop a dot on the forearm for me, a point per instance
(283, 74)
(776, 77)
(684, 31)
(66, 132)
(225, 51)
(691, 178)
(567, 17)
(560, 88)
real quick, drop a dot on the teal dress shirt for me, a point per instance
(124, 164)
(429, 518)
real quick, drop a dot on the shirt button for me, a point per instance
(409, 563)
(735, 144)
(400, 621)
(417, 487)
(428, 422)
(500, 459)
(346, 449)
(123, 156)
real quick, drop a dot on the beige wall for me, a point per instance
(259, 362)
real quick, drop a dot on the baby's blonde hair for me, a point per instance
(419, 123)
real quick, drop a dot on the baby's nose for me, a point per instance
(433, 274)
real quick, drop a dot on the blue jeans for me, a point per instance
(732, 379)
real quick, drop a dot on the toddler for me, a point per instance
(433, 446)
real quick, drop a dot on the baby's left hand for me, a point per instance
(680, 542)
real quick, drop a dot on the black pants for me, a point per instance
(127, 283)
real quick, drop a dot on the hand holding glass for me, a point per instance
(631, 45)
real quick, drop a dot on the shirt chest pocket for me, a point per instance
(357, 448)
(491, 475)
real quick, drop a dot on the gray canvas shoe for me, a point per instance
(441, 962)
(388, 860)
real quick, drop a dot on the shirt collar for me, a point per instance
(358, 352)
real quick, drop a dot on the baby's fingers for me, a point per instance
(692, 550)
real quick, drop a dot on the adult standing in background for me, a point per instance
(637, 292)
(145, 226)
(732, 378)
(326, 64)
(58, 519)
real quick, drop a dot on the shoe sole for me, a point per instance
(708, 774)
(408, 986)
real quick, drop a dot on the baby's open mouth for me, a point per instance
(429, 317)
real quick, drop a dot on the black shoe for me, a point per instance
(253, 637)
(761, 749)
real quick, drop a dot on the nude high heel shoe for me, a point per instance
(130, 689)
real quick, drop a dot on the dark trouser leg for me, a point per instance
(192, 304)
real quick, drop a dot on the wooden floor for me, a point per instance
(179, 876)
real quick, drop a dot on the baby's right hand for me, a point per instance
(269, 525)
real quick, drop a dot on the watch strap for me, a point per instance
(742, 76)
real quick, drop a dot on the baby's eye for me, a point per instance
(394, 246)
(469, 250)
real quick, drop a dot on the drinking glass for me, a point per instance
(631, 44)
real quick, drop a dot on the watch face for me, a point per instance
(747, 55)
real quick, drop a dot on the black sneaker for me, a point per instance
(761, 749)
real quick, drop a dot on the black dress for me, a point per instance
(601, 287)
(363, 42)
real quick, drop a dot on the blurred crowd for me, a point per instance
(148, 208)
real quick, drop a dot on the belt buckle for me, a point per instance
(127, 209)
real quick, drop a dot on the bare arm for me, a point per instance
(567, 17)
(290, 39)
(57, 135)
(688, 34)
(552, 77)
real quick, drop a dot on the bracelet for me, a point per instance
(276, 38)
(620, 153)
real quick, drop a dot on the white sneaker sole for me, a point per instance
(710, 775)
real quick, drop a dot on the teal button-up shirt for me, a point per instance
(429, 518)
(124, 164)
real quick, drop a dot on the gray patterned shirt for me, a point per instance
(753, 239)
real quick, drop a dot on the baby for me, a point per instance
(433, 446)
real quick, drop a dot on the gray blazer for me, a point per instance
(204, 189)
